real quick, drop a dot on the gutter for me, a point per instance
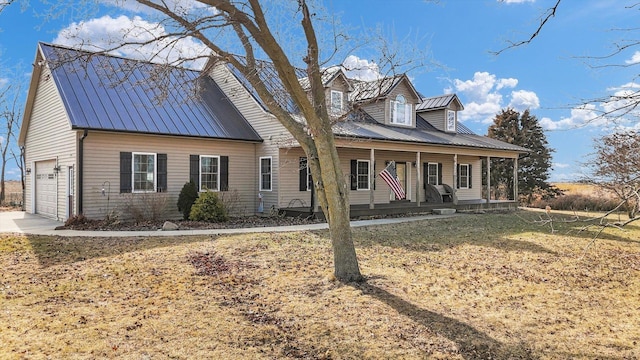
(81, 169)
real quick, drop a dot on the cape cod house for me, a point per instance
(96, 136)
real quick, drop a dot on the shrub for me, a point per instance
(208, 207)
(145, 206)
(231, 201)
(187, 197)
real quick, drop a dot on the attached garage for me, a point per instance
(45, 186)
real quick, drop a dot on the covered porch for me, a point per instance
(359, 211)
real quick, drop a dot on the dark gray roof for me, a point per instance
(103, 92)
(436, 102)
(424, 133)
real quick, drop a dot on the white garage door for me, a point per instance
(46, 188)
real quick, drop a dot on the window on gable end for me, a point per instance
(451, 120)
(265, 173)
(401, 111)
(336, 101)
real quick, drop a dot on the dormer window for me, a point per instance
(451, 120)
(400, 111)
(336, 101)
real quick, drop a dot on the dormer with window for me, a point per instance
(401, 111)
(441, 112)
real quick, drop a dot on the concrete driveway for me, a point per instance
(23, 223)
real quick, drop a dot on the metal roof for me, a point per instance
(425, 134)
(436, 102)
(103, 92)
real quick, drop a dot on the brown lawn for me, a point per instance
(471, 287)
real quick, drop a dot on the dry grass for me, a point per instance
(471, 287)
(13, 195)
(582, 189)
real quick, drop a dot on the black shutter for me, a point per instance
(458, 177)
(125, 172)
(303, 174)
(162, 172)
(354, 174)
(224, 173)
(470, 172)
(194, 169)
(439, 173)
(425, 175)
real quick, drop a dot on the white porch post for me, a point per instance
(418, 178)
(372, 178)
(488, 179)
(455, 179)
(515, 179)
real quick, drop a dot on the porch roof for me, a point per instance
(367, 128)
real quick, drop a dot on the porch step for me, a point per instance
(444, 211)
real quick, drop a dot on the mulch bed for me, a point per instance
(233, 223)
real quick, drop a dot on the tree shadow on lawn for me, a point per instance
(60, 250)
(505, 232)
(472, 343)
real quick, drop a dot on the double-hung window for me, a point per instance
(265, 173)
(144, 172)
(336, 101)
(432, 174)
(451, 120)
(209, 173)
(306, 181)
(401, 112)
(363, 174)
(464, 176)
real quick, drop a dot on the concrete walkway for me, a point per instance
(23, 223)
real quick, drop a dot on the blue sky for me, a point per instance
(551, 76)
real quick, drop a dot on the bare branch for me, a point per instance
(548, 14)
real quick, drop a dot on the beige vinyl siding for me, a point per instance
(377, 109)
(289, 170)
(49, 136)
(435, 118)
(102, 165)
(266, 125)
(476, 177)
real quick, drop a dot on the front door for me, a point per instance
(401, 171)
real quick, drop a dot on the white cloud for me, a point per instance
(483, 99)
(361, 69)
(107, 33)
(522, 100)
(635, 58)
(580, 116)
(560, 166)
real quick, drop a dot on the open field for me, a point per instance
(470, 287)
(13, 197)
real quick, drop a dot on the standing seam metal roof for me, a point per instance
(105, 92)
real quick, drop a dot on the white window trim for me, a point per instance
(270, 173)
(200, 189)
(133, 173)
(466, 177)
(368, 175)
(335, 108)
(436, 174)
(451, 126)
(408, 112)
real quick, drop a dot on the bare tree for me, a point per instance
(615, 166)
(10, 114)
(239, 33)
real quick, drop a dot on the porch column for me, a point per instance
(455, 179)
(488, 179)
(372, 178)
(418, 178)
(515, 179)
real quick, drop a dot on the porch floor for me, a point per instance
(407, 207)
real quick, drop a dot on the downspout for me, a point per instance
(80, 169)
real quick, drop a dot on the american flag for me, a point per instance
(391, 178)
